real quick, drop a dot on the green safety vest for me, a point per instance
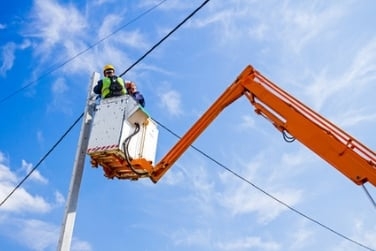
(106, 83)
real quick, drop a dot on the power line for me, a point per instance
(58, 66)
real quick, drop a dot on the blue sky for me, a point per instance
(322, 52)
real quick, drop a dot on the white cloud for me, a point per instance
(360, 72)
(110, 22)
(197, 237)
(6, 174)
(55, 24)
(59, 87)
(36, 234)
(247, 122)
(301, 237)
(361, 232)
(40, 137)
(354, 117)
(309, 21)
(39, 235)
(59, 198)
(60, 101)
(242, 201)
(248, 243)
(78, 245)
(173, 5)
(363, 67)
(170, 100)
(21, 200)
(135, 39)
(7, 57)
(36, 176)
(174, 176)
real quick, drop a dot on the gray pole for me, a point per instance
(71, 205)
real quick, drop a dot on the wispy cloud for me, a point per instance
(7, 57)
(170, 100)
(247, 243)
(309, 22)
(22, 200)
(36, 176)
(359, 73)
(54, 25)
(60, 102)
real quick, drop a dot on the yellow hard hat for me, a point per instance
(108, 67)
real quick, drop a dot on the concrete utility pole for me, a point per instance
(74, 188)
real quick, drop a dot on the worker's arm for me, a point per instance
(98, 88)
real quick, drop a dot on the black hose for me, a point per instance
(287, 138)
(126, 150)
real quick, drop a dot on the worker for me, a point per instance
(112, 86)
(132, 90)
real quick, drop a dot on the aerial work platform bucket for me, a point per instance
(122, 131)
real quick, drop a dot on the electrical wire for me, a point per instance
(58, 66)
(268, 194)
